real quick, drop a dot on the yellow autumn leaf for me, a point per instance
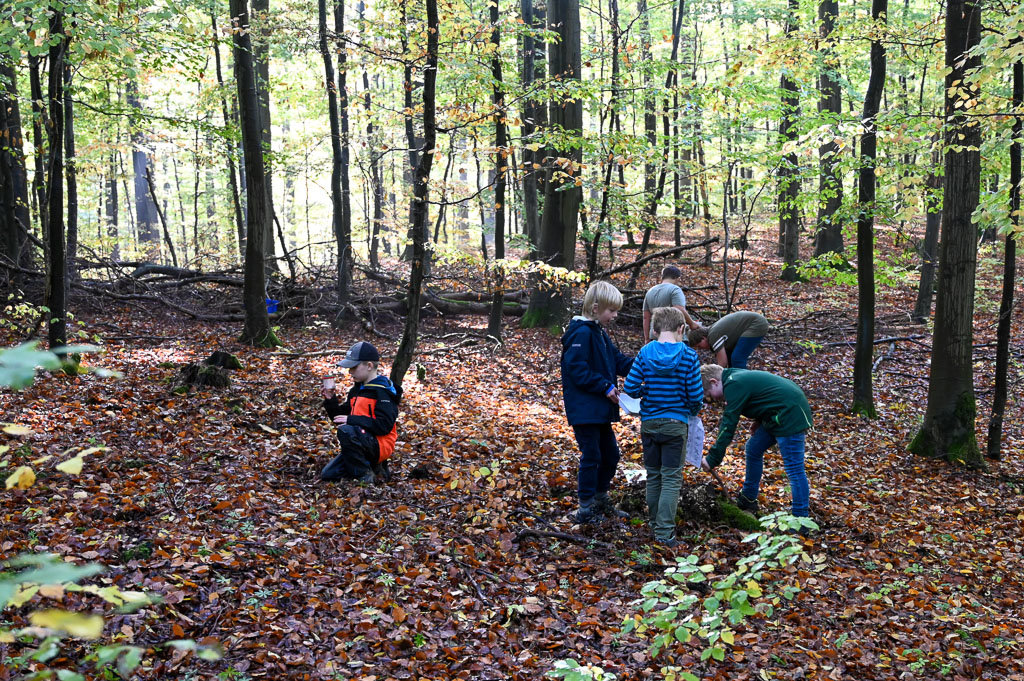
(15, 429)
(23, 596)
(728, 636)
(269, 429)
(71, 466)
(23, 477)
(91, 450)
(74, 623)
(41, 460)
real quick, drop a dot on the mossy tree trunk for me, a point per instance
(948, 429)
(829, 235)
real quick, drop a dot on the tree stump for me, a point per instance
(211, 372)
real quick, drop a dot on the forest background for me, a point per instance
(360, 165)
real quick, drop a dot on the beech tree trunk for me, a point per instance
(344, 236)
(828, 236)
(500, 167)
(995, 424)
(342, 232)
(145, 209)
(257, 329)
(56, 298)
(561, 196)
(948, 428)
(534, 118)
(929, 247)
(261, 63)
(71, 169)
(228, 145)
(789, 171)
(418, 214)
(15, 220)
(39, 144)
(863, 400)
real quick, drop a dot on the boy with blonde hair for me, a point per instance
(590, 363)
(781, 416)
(666, 378)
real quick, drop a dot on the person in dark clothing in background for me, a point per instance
(590, 363)
(366, 420)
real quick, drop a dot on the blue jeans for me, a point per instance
(360, 453)
(599, 456)
(791, 447)
(744, 346)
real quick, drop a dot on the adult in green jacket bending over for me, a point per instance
(781, 415)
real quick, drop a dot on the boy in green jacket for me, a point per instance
(781, 415)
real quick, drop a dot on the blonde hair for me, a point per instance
(666, 319)
(602, 294)
(708, 373)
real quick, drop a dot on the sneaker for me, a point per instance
(670, 543)
(585, 516)
(745, 504)
(606, 508)
(368, 477)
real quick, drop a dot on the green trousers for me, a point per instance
(664, 443)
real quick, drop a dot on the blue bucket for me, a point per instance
(272, 305)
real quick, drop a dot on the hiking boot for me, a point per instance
(585, 516)
(605, 507)
(745, 504)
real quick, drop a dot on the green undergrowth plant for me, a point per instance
(571, 670)
(671, 612)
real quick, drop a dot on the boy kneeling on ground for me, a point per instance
(366, 420)
(780, 413)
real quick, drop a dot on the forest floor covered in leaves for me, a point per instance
(212, 501)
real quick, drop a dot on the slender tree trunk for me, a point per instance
(56, 299)
(500, 166)
(344, 235)
(995, 425)
(261, 62)
(929, 247)
(789, 171)
(418, 213)
(534, 117)
(948, 428)
(17, 219)
(228, 146)
(71, 171)
(828, 237)
(145, 208)
(111, 209)
(863, 399)
(561, 197)
(40, 154)
(376, 181)
(257, 329)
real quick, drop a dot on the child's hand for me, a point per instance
(340, 419)
(704, 466)
(327, 394)
(613, 395)
(328, 389)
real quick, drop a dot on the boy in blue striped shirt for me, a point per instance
(666, 376)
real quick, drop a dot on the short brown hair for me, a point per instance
(708, 373)
(695, 336)
(670, 272)
(666, 319)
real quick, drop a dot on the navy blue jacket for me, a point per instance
(590, 362)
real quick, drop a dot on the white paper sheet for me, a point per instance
(695, 442)
(630, 405)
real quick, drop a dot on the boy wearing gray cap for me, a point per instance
(366, 420)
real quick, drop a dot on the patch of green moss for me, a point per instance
(734, 517)
(865, 409)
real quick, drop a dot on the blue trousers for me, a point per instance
(599, 456)
(791, 447)
(744, 346)
(359, 454)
